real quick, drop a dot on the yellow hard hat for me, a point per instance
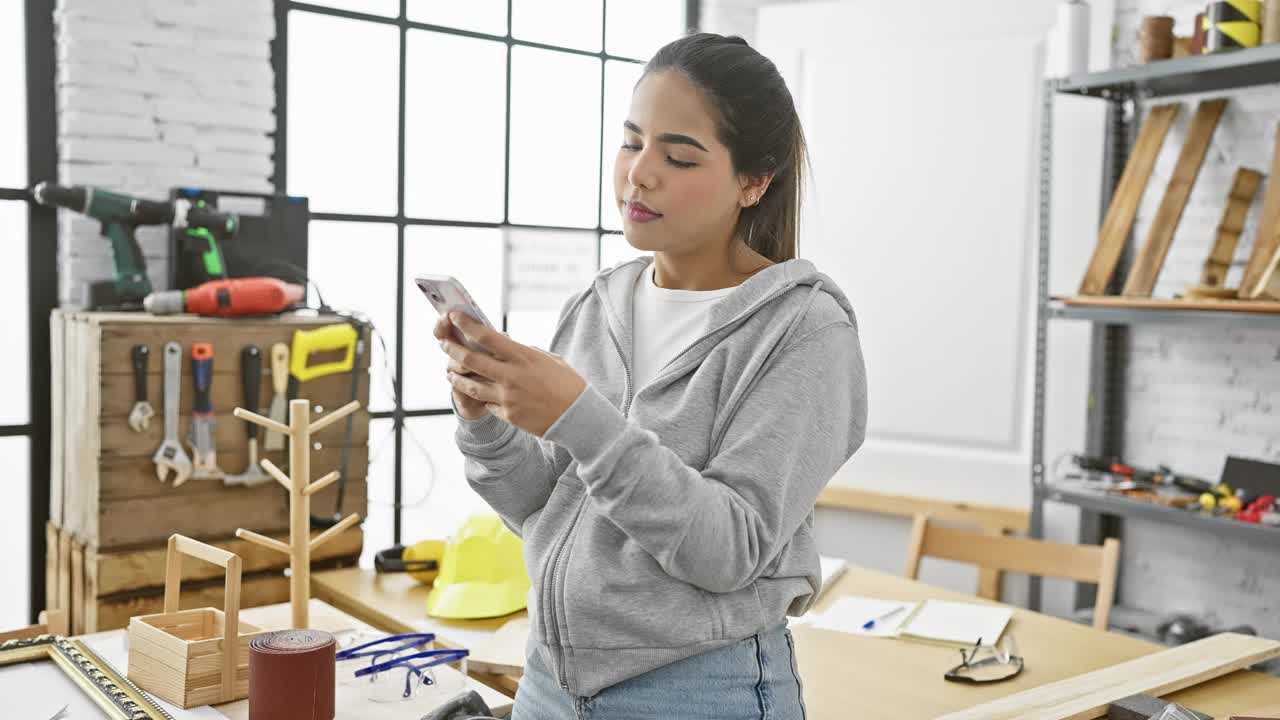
(482, 573)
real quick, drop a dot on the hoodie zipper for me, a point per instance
(626, 409)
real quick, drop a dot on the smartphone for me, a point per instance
(446, 294)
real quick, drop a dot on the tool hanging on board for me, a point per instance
(120, 216)
(202, 420)
(251, 380)
(228, 298)
(142, 412)
(341, 496)
(170, 457)
(274, 440)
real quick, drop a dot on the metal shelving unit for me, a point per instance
(1124, 91)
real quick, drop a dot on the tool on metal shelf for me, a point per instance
(202, 420)
(170, 456)
(251, 379)
(120, 216)
(228, 298)
(142, 412)
(280, 385)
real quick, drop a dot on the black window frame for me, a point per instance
(279, 62)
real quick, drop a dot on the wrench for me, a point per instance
(170, 455)
(142, 412)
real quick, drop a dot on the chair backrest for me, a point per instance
(1084, 563)
(992, 519)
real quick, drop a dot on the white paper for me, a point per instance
(850, 613)
(958, 623)
(832, 569)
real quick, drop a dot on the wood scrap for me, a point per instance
(1229, 305)
(1268, 286)
(1124, 203)
(1142, 278)
(1266, 242)
(1087, 695)
(1243, 188)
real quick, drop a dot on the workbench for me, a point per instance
(111, 645)
(881, 678)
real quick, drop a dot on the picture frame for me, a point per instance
(111, 691)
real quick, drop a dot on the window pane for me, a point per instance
(555, 131)
(13, 88)
(14, 379)
(637, 28)
(379, 520)
(437, 498)
(486, 16)
(620, 79)
(343, 117)
(532, 327)
(354, 264)
(474, 257)
(545, 267)
(388, 8)
(568, 23)
(15, 532)
(455, 127)
(614, 249)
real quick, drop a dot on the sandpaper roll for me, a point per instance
(291, 675)
(1232, 25)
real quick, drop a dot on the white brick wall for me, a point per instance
(153, 94)
(1196, 395)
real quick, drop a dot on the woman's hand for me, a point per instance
(468, 407)
(525, 386)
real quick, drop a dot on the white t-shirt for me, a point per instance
(665, 323)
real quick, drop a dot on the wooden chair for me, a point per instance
(1084, 563)
(991, 519)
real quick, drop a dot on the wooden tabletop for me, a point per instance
(883, 678)
(350, 706)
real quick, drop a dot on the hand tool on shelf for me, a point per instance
(251, 379)
(142, 412)
(202, 420)
(280, 385)
(228, 298)
(170, 456)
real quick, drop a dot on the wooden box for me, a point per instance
(101, 589)
(193, 657)
(104, 489)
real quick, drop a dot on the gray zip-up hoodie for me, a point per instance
(672, 519)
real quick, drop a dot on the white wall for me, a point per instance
(153, 94)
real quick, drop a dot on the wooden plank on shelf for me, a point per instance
(1267, 239)
(1212, 305)
(1087, 696)
(1146, 268)
(1239, 199)
(115, 571)
(1124, 203)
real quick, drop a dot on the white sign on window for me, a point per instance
(545, 267)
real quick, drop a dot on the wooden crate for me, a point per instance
(104, 489)
(103, 589)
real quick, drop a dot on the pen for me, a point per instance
(872, 622)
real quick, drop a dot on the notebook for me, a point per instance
(956, 624)
(832, 569)
(850, 614)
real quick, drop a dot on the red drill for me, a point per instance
(227, 298)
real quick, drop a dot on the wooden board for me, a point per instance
(114, 612)
(1146, 268)
(1268, 286)
(503, 654)
(112, 572)
(1124, 203)
(57, 387)
(135, 477)
(1243, 188)
(51, 601)
(1252, 306)
(1087, 696)
(1266, 241)
(992, 517)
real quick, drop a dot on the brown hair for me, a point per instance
(757, 121)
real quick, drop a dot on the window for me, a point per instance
(474, 139)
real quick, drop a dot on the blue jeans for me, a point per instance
(753, 678)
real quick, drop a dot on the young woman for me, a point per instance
(662, 462)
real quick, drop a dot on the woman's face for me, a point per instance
(674, 181)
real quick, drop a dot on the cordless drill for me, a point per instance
(228, 298)
(120, 215)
